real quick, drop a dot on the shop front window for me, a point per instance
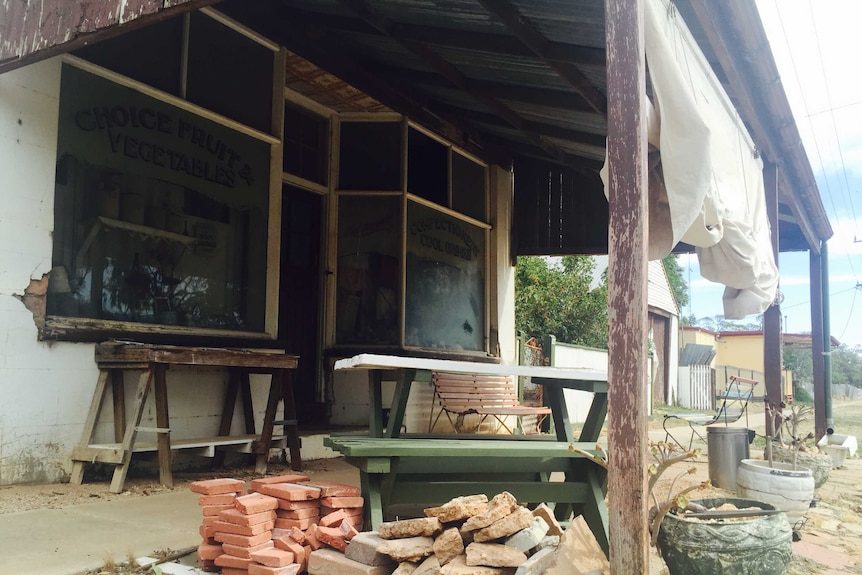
(445, 295)
(160, 214)
(412, 262)
(369, 273)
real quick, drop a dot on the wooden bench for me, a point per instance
(422, 472)
(485, 395)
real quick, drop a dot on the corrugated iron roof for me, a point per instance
(521, 77)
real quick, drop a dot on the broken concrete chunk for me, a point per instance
(428, 567)
(501, 505)
(459, 508)
(448, 545)
(547, 514)
(539, 562)
(508, 525)
(409, 549)
(458, 566)
(494, 555)
(406, 568)
(526, 539)
(422, 527)
(552, 541)
(363, 548)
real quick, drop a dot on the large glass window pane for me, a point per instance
(306, 144)
(160, 215)
(468, 187)
(152, 54)
(427, 168)
(229, 73)
(445, 297)
(370, 157)
(369, 248)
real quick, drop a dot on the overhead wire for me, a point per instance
(817, 151)
(832, 115)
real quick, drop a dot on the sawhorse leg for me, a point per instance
(90, 424)
(290, 422)
(166, 476)
(122, 468)
(281, 387)
(238, 386)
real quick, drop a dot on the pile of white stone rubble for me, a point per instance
(467, 536)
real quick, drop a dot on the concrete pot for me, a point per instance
(760, 545)
(787, 489)
(836, 454)
(820, 464)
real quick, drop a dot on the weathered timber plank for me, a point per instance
(627, 240)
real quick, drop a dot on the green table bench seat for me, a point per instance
(430, 471)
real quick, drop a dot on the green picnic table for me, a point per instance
(422, 470)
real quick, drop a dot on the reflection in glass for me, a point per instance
(368, 269)
(160, 215)
(445, 297)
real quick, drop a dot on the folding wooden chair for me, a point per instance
(733, 405)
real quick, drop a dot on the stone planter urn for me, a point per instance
(820, 464)
(757, 544)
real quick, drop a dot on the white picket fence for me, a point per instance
(694, 387)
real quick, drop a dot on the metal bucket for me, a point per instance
(726, 447)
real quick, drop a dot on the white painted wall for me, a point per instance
(46, 387)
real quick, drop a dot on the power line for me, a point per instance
(808, 117)
(856, 287)
(832, 115)
(849, 314)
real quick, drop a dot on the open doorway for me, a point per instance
(299, 309)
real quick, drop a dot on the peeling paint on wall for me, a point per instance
(34, 298)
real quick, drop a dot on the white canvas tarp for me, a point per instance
(711, 195)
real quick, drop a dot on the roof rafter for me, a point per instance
(451, 38)
(527, 33)
(443, 67)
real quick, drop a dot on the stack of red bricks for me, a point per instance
(273, 529)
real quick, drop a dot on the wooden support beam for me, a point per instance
(527, 33)
(628, 497)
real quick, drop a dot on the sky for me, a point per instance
(816, 45)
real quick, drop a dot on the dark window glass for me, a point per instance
(445, 297)
(306, 144)
(370, 157)
(369, 276)
(151, 54)
(229, 73)
(151, 224)
(468, 187)
(427, 168)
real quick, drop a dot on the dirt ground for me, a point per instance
(830, 535)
